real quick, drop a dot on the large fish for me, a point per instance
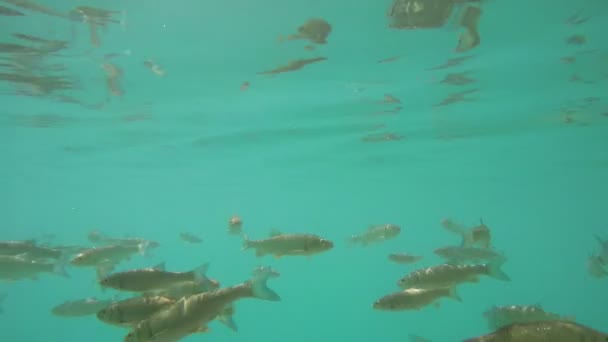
(449, 275)
(151, 279)
(81, 307)
(193, 314)
(20, 267)
(547, 331)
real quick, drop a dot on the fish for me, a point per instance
(448, 275)
(193, 314)
(459, 254)
(414, 299)
(128, 312)
(151, 279)
(17, 267)
(544, 331)
(316, 30)
(190, 238)
(96, 237)
(376, 234)
(501, 316)
(188, 288)
(293, 66)
(81, 307)
(9, 12)
(105, 258)
(155, 68)
(404, 258)
(29, 248)
(416, 338)
(32, 6)
(280, 245)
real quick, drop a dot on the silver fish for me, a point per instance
(20, 267)
(81, 307)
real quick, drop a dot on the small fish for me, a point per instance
(448, 275)
(151, 279)
(9, 12)
(81, 307)
(193, 314)
(416, 338)
(577, 39)
(549, 331)
(244, 86)
(460, 255)
(414, 299)
(404, 258)
(235, 225)
(388, 98)
(279, 245)
(388, 60)
(190, 238)
(128, 312)
(376, 234)
(155, 68)
(501, 316)
(293, 66)
(315, 30)
(19, 267)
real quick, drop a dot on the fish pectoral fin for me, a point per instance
(201, 329)
(437, 305)
(259, 253)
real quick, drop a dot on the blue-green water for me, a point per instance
(186, 151)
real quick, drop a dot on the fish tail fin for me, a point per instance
(353, 240)
(59, 268)
(228, 321)
(104, 270)
(143, 248)
(246, 242)
(454, 294)
(123, 20)
(495, 270)
(468, 240)
(200, 273)
(260, 289)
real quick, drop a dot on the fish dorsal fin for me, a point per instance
(159, 267)
(371, 227)
(275, 232)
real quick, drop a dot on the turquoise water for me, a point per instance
(186, 151)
